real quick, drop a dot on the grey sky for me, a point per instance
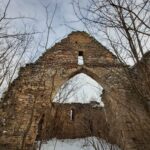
(34, 9)
(64, 16)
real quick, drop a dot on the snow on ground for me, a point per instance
(78, 144)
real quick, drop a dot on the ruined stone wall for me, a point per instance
(140, 75)
(83, 123)
(30, 96)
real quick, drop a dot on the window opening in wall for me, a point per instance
(82, 89)
(80, 58)
(71, 114)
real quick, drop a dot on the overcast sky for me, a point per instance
(33, 8)
(65, 20)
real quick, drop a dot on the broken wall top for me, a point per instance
(67, 51)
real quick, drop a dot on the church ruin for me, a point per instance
(27, 112)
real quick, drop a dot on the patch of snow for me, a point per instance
(78, 144)
(4, 132)
(96, 105)
(101, 104)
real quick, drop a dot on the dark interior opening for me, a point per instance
(80, 53)
(72, 114)
(40, 127)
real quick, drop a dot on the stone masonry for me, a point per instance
(27, 107)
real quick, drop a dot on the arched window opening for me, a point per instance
(80, 89)
(80, 58)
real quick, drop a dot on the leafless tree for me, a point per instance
(14, 44)
(125, 25)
